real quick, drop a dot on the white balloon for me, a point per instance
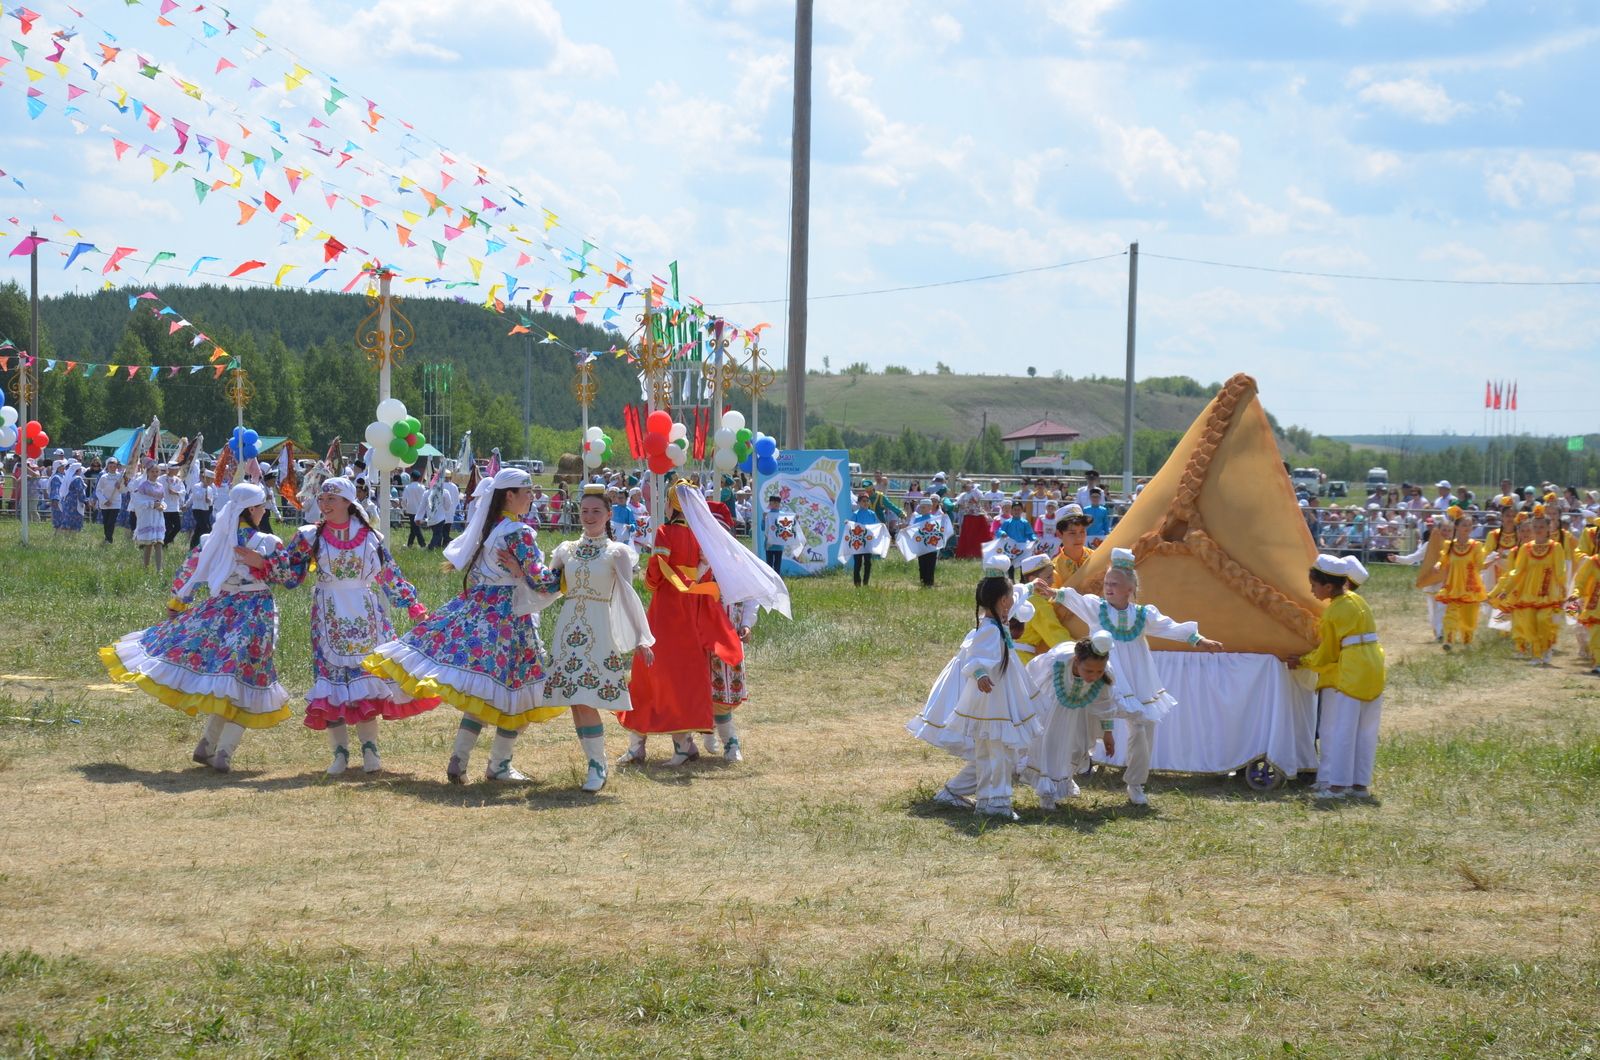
(679, 454)
(391, 410)
(594, 434)
(8, 416)
(383, 460)
(724, 460)
(733, 419)
(8, 435)
(725, 437)
(593, 457)
(678, 431)
(379, 434)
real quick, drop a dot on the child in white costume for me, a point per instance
(981, 707)
(1074, 680)
(1138, 697)
(728, 691)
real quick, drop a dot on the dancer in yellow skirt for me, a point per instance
(1460, 573)
(1586, 585)
(1534, 591)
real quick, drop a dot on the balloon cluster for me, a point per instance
(245, 443)
(8, 423)
(666, 444)
(34, 440)
(735, 446)
(596, 447)
(394, 436)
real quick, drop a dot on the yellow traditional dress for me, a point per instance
(1586, 585)
(1534, 591)
(1066, 567)
(1461, 590)
(1348, 657)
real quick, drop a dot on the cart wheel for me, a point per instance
(1262, 775)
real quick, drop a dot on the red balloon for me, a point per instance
(33, 428)
(655, 445)
(43, 439)
(659, 423)
(411, 441)
(661, 465)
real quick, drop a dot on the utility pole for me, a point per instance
(1127, 386)
(25, 391)
(527, 390)
(799, 229)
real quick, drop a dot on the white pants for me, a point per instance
(1436, 615)
(1141, 736)
(987, 774)
(1348, 734)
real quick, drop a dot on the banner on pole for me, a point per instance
(1575, 444)
(811, 484)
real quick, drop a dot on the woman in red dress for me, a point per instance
(672, 695)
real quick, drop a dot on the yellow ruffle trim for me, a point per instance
(428, 688)
(190, 703)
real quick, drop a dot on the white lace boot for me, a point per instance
(461, 753)
(592, 739)
(339, 743)
(208, 739)
(227, 743)
(367, 733)
(500, 767)
(729, 736)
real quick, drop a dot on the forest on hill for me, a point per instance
(311, 384)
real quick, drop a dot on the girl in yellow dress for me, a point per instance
(1351, 675)
(1534, 590)
(1461, 591)
(1586, 586)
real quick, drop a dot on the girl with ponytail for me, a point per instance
(982, 707)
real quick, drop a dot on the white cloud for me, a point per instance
(895, 152)
(1527, 181)
(1307, 203)
(1352, 11)
(1414, 98)
(1145, 160)
(1375, 165)
(1081, 18)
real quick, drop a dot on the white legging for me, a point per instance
(1348, 733)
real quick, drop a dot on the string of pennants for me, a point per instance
(109, 370)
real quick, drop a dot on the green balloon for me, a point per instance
(605, 457)
(743, 437)
(741, 450)
(399, 448)
(415, 425)
(400, 429)
(422, 439)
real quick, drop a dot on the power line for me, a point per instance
(1378, 279)
(926, 286)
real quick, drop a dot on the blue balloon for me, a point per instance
(2, 397)
(744, 465)
(766, 465)
(765, 446)
(251, 437)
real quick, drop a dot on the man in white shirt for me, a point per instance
(442, 501)
(1444, 500)
(414, 502)
(200, 507)
(108, 497)
(176, 492)
(1091, 480)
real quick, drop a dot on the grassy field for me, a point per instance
(807, 902)
(954, 406)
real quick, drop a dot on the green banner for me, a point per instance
(1575, 444)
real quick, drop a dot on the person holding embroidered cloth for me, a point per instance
(602, 619)
(981, 707)
(352, 566)
(481, 652)
(1138, 697)
(1351, 674)
(216, 658)
(1075, 680)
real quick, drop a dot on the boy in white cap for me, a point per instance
(1351, 672)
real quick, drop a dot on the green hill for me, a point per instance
(957, 407)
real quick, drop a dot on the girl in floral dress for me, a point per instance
(216, 658)
(1138, 697)
(480, 652)
(352, 565)
(602, 618)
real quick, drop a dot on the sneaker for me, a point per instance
(222, 761)
(341, 760)
(505, 773)
(946, 797)
(731, 753)
(202, 750)
(596, 778)
(998, 809)
(456, 771)
(1070, 789)
(1323, 792)
(713, 744)
(1355, 792)
(370, 762)
(1136, 795)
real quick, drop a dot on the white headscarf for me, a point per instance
(460, 551)
(1342, 567)
(740, 576)
(216, 555)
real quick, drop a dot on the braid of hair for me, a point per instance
(1005, 641)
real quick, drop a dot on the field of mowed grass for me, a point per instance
(809, 901)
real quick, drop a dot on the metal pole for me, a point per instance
(799, 229)
(386, 337)
(25, 498)
(1127, 387)
(527, 393)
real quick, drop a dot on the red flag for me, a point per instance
(247, 266)
(1498, 393)
(1513, 396)
(1488, 394)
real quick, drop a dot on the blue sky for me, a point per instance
(1452, 139)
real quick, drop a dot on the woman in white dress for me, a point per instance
(602, 618)
(148, 503)
(1138, 696)
(353, 567)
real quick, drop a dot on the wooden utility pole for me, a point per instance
(799, 230)
(1127, 386)
(26, 390)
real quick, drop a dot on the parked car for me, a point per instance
(532, 467)
(1308, 480)
(1338, 488)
